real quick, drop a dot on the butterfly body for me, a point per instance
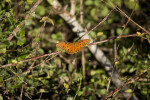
(72, 48)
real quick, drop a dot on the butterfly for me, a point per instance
(72, 48)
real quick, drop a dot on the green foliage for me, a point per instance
(40, 10)
(57, 36)
(29, 1)
(50, 2)
(3, 48)
(21, 38)
(61, 77)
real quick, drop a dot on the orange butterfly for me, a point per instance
(72, 48)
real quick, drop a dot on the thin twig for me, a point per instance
(134, 78)
(83, 65)
(98, 24)
(29, 68)
(21, 24)
(29, 59)
(118, 9)
(81, 12)
(73, 7)
(130, 17)
(113, 38)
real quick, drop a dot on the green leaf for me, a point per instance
(1, 98)
(148, 71)
(104, 11)
(22, 33)
(93, 12)
(21, 2)
(148, 38)
(93, 34)
(14, 61)
(29, 1)
(8, 1)
(89, 2)
(43, 91)
(125, 50)
(3, 46)
(27, 7)
(126, 31)
(50, 20)
(101, 91)
(66, 87)
(132, 70)
(47, 19)
(128, 91)
(1, 78)
(24, 56)
(41, 51)
(50, 2)
(80, 93)
(2, 50)
(57, 36)
(119, 31)
(21, 41)
(40, 10)
(148, 56)
(43, 19)
(93, 72)
(7, 14)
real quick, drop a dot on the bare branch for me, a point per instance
(29, 59)
(73, 7)
(21, 24)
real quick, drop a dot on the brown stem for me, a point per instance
(21, 24)
(30, 59)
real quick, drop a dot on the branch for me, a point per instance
(31, 68)
(119, 10)
(73, 7)
(113, 38)
(29, 59)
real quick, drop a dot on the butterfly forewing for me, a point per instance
(72, 48)
(64, 45)
(80, 44)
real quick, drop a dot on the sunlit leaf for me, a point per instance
(21, 41)
(50, 2)
(50, 20)
(128, 91)
(40, 10)
(29, 1)
(2, 50)
(138, 33)
(100, 33)
(119, 31)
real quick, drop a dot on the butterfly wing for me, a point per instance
(72, 48)
(64, 45)
(80, 44)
